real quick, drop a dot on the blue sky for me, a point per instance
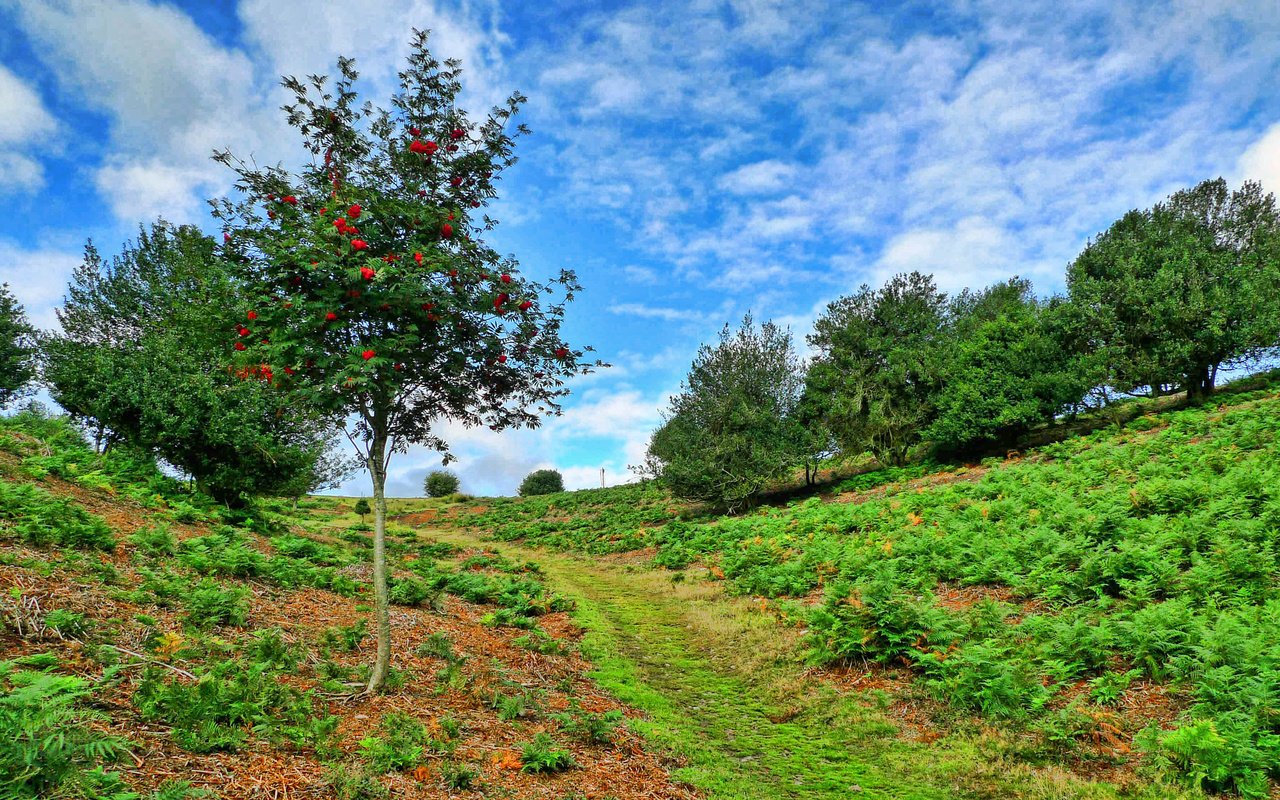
(691, 160)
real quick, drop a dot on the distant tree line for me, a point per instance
(1158, 304)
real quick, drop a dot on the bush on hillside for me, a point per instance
(440, 483)
(541, 481)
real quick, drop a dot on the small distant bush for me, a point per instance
(353, 784)
(541, 481)
(459, 776)
(362, 508)
(440, 483)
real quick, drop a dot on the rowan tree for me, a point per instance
(376, 296)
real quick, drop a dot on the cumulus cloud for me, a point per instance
(1261, 161)
(25, 125)
(172, 94)
(38, 278)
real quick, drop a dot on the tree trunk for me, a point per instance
(1201, 383)
(381, 592)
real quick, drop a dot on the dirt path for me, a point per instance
(723, 689)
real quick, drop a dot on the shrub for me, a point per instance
(40, 519)
(402, 743)
(47, 745)
(592, 727)
(438, 645)
(542, 755)
(211, 603)
(362, 508)
(541, 481)
(353, 784)
(227, 699)
(154, 540)
(459, 776)
(440, 483)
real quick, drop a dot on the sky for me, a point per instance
(691, 160)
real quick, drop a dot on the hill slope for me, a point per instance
(1111, 601)
(153, 645)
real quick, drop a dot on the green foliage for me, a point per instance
(211, 603)
(345, 637)
(1167, 295)
(154, 540)
(542, 755)
(48, 742)
(67, 624)
(877, 372)
(1145, 552)
(734, 430)
(541, 481)
(438, 645)
(538, 641)
(1006, 369)
(591, 727)
(598, 521)
(149, 320)
(441, 483)
(362, 508)
(18, 348)
(402, 743)
(459, 776)
(227, 700)
(347, 783)
(38, 518)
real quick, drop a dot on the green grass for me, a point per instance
(725, 690)
(1150, 550)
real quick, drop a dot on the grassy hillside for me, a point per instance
(1113, 598)
(154, 646)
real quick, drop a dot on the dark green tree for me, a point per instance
(734, 428)
(362, 508)
(1172, 294)
(141, 359)
(17, 349)
(1005, 369)
(877, 372)
(541, 481)
(440, 483)
(373, 296)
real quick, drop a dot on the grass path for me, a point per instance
(724, 691)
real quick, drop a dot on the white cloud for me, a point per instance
(23, 117)
(173, 95)
(659, 312)
(1261, 161)
(25, 125)
(38, 278)
(761, 177)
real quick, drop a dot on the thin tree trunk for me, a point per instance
(382, 597)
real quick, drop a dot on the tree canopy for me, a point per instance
(1173, 293)
(18, 349)
(734, 428)
(373, 296)
(877, 370)
(141, 358)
